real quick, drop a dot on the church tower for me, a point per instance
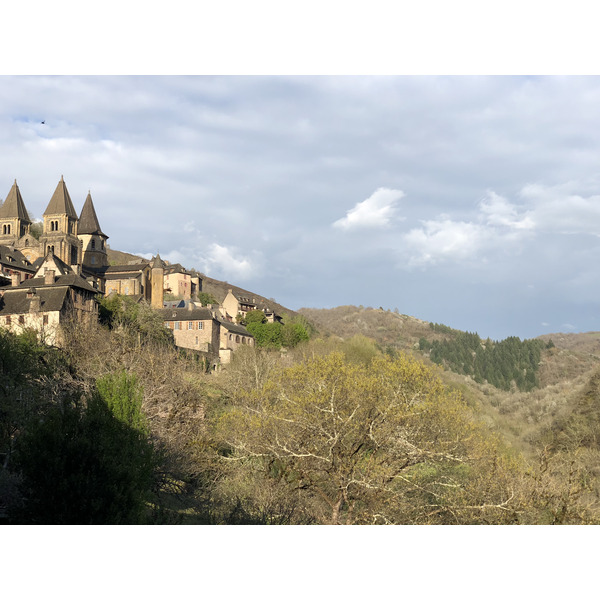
(91, 236)
(157, 282)
(14, 220)
(60, 227)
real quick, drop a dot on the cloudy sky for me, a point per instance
(466, 200)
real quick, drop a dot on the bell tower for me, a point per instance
(60, 227)
(14, 220)
(92, 238)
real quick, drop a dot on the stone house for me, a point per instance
(200, 328)
(193, 328)
(180, 282)
(235, 304)
(56, 294)
(13, 262)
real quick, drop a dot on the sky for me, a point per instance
(472, 201)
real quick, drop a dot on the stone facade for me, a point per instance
(45, 281)
(54, 295)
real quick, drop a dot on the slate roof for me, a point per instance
(60, 203)
(157, 263)
(69, 280)
(184, 314)
(88, 221)
(13, 259)
(14, 206)
(15, 300)
(235, 328)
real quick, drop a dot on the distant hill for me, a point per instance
(116, 257)
(387, 328)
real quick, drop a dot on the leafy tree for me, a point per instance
(369, 444)
(133, 318)
(255, 316)
(82, 465)
(205, 298)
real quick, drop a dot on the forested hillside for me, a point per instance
(120, 427)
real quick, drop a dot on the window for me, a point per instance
(45, 320)
(196, 340)
(93, 244)
(8, 320)
(21, 320)
(200, 325)
(190, 325)
(237, 339)
(177, 324)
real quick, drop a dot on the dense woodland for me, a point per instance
(318, 427)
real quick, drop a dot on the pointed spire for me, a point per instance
(60, 203)
(14, 205)
(88, 221)
(157, 263)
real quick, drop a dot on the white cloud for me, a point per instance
(374, 212)
(497, 211)
(442, 240)
(228, 262)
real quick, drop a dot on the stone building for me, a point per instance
(13, 262)
(56, 294)
(181, 283)
(202, 329)
(236, 304)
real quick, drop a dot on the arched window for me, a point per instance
(237, 339)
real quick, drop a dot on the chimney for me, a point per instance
(35, 303)
(190, 306)
(49, 277)
(15, 279)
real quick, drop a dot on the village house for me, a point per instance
(181, 283)
(235, 304)
(200, 328)
(55, 294)
(13, 262)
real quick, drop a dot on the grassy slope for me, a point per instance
(565, 371)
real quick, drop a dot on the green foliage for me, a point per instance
(205, 298)
(36, 229)
(502, 364)
(81, 465)
(275, 335)
(255, 316)
(351, 442)
(136, 318)
(266, 335)
(123, 396)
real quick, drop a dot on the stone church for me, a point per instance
(77, 241)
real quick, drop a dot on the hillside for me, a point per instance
(563, 371)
